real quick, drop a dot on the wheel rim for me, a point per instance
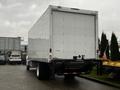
(38, 71)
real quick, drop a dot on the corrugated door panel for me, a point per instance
(73, 34)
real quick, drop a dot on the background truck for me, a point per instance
(63, 42)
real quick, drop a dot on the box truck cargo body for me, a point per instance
(64, 35)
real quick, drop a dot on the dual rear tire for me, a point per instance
(28, 67)
(43, 71)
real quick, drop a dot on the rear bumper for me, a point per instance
(15, 60)
(75, 71)
(73, 66)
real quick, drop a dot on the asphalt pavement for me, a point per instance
(15, 77)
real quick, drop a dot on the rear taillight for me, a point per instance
(50, 50)
(50, 54)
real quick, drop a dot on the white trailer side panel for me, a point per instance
(10, 43)
(39, 38)
(2, 43)
(73, 34)
(17, 43)
(6, 43)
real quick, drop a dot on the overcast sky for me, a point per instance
(18, 16)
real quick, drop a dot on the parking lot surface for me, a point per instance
(15, 77)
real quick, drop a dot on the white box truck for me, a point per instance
(63, 42)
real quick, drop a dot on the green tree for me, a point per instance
(107, 49)
(104, 45)
(114, 48)
(98, 43)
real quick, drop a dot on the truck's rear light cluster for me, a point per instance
(50, 50)
(79, 57)
(50, 54)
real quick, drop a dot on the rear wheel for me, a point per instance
(38, 72)
(42, 71)
(27, 67)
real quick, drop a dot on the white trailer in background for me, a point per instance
(8, 44)
(63, 41)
